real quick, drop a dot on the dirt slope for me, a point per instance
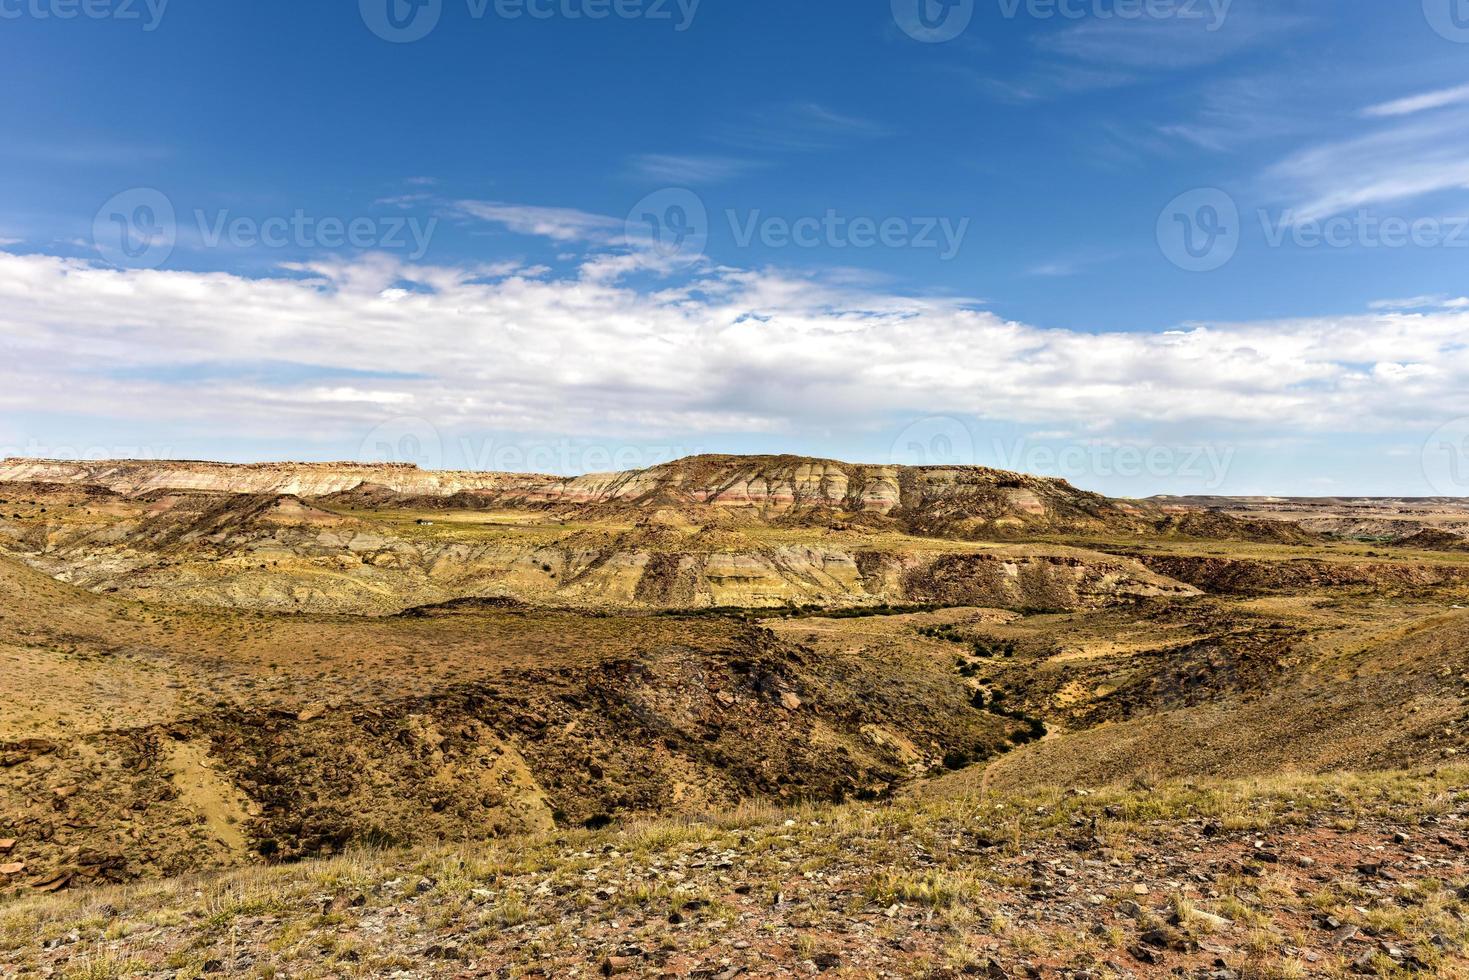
(142, 743)
(1289, 877)
(1233, 693)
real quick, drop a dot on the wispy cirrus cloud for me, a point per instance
(557, 224)
(1173, 43)
(1434, 301)
(86, 151)
(1230, 113)
(1097, 53)
(671, 168)
(1051, 81)
(1419, 103)
(1070, 265)
(1406, 161)
(798, 127)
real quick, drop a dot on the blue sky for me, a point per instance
(1076, 233)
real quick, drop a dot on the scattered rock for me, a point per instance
(1145, 954)
(1165, 938)
(312, 711)
(1211, 920)
(52, 883)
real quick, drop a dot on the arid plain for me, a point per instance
(727, 717)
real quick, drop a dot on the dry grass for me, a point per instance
(499, 886)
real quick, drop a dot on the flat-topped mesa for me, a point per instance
(134, 478)
(778, 484)
(770, 485)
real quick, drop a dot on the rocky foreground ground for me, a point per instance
(1288, 877)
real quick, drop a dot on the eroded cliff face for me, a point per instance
(136, 478)
(708, 531)
(954, 501)
(281, 553)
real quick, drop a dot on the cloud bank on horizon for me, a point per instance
(337, 348)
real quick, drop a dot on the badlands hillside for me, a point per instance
(727, 717)
(702, 532)
(1435, 523)
(768, 489)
